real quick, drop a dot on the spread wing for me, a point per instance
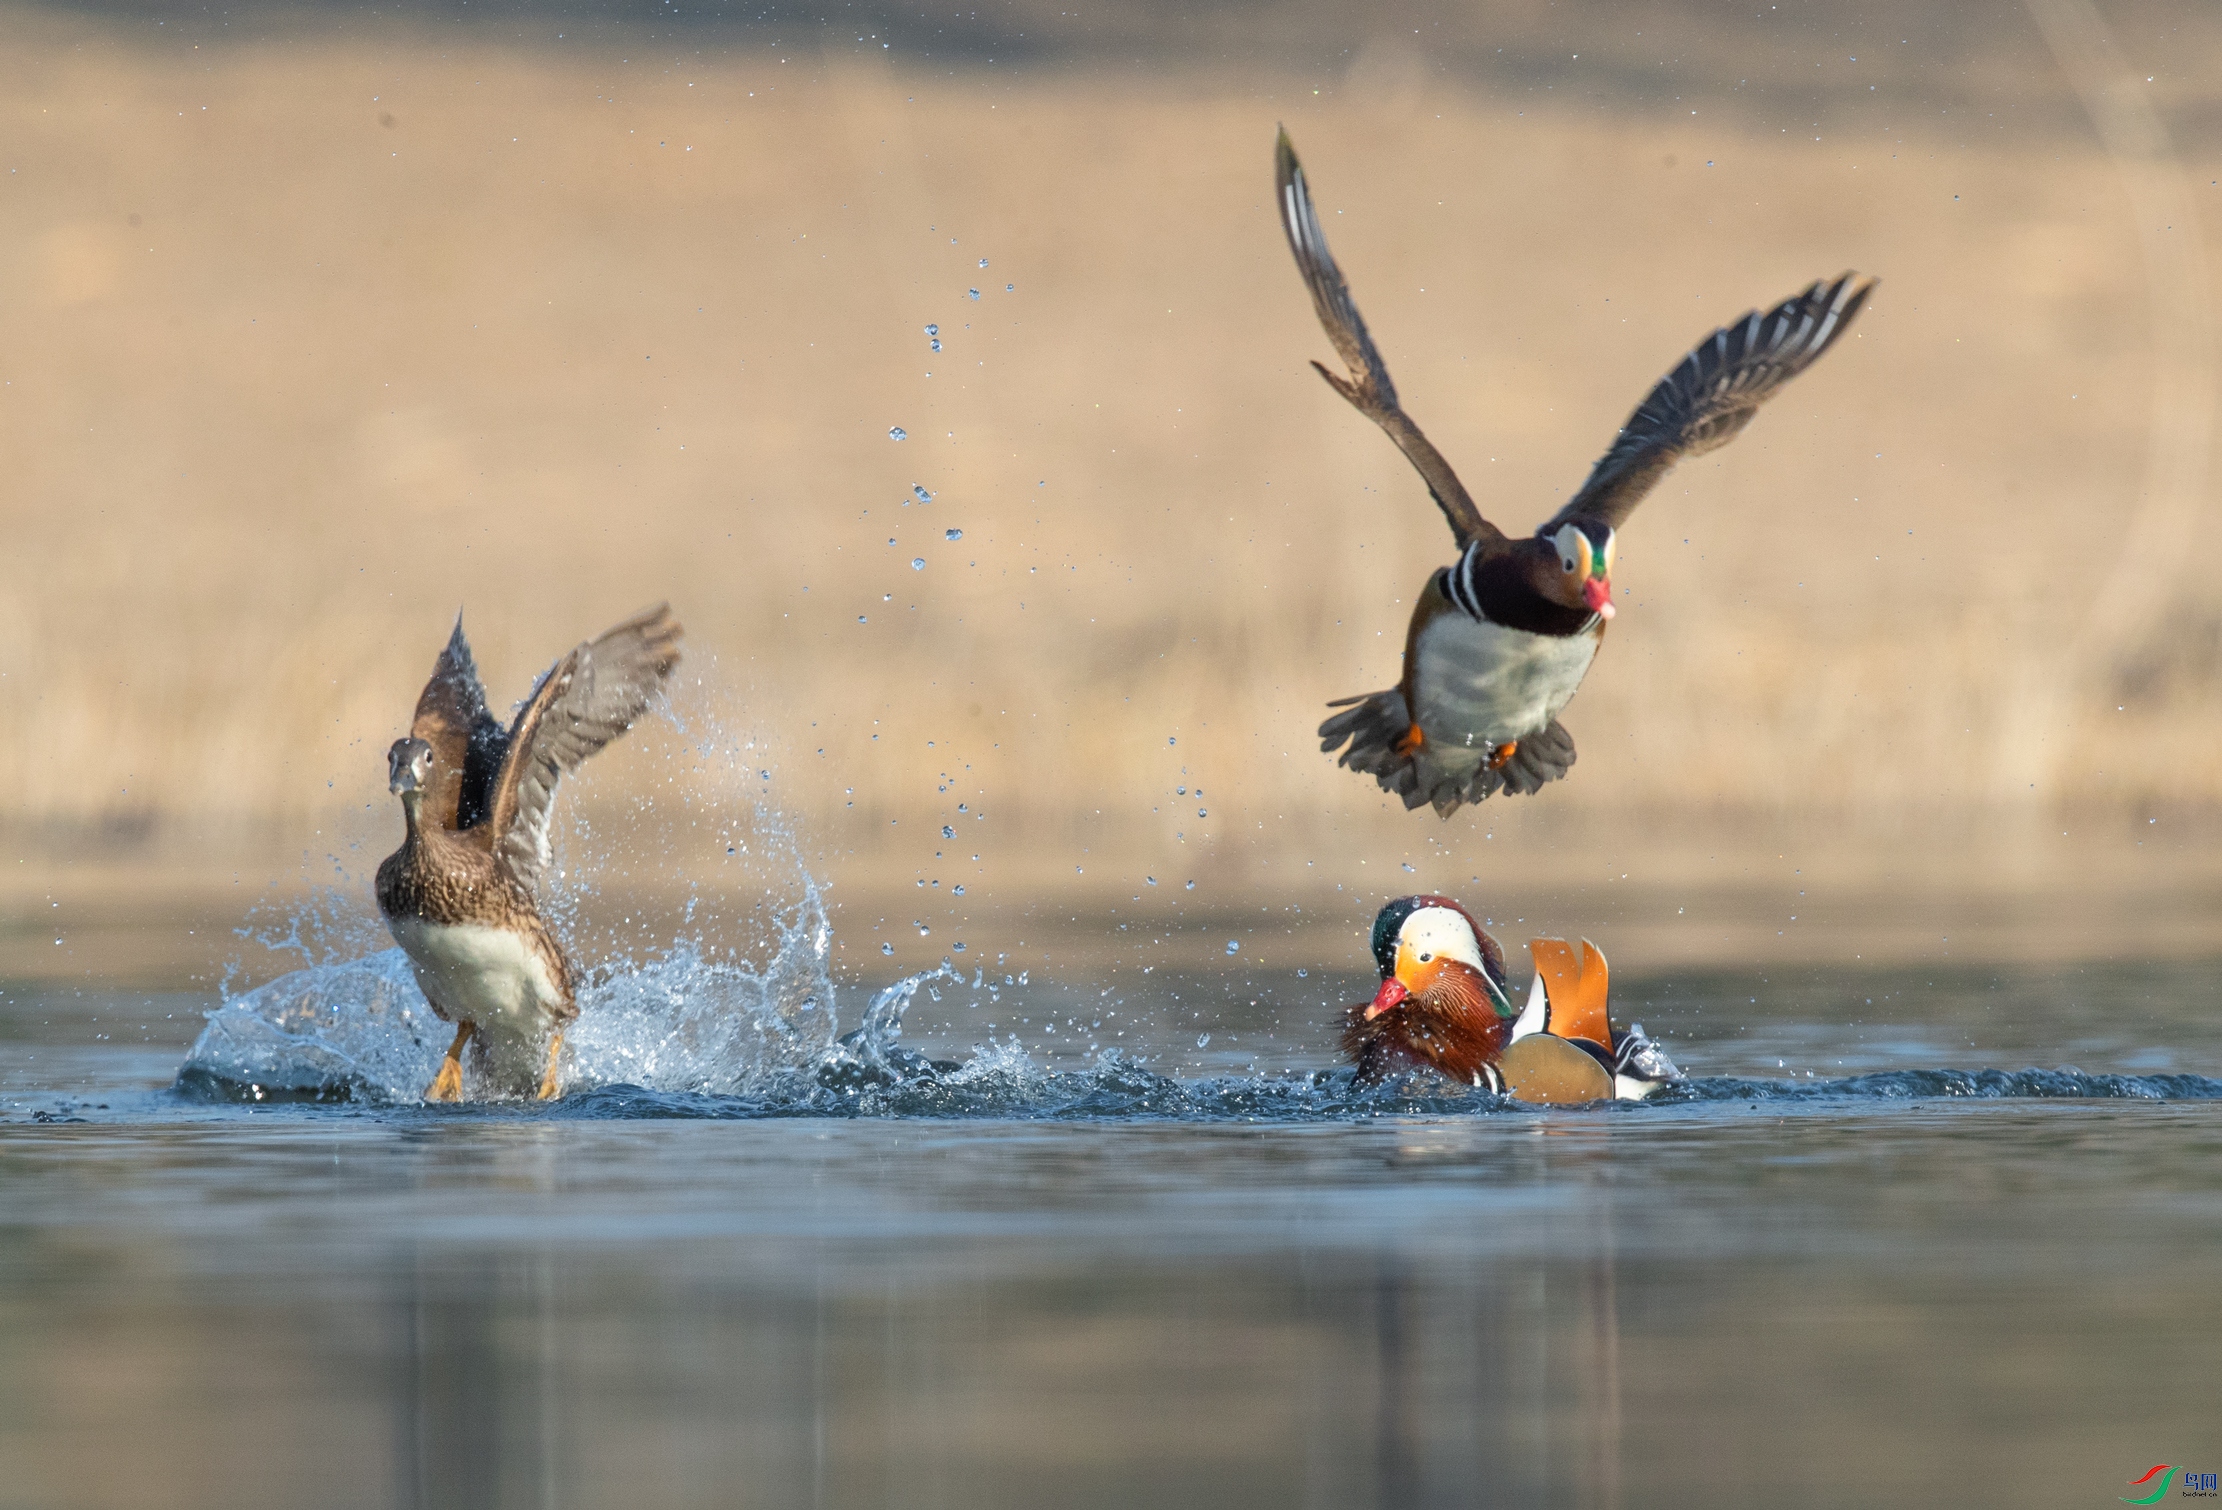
(1712, 394)
(1368, 387)
(586, 700)
(467, 744)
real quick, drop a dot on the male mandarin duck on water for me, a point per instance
(1445, 1005)
(461, 894)
(1500, 639)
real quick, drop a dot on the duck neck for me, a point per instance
(412, 804)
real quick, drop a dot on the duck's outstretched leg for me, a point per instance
(549, 1090)
(448, 1084)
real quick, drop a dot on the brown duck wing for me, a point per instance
(1368, 388)
(586, 700)
(1712, 394)
(467, 745)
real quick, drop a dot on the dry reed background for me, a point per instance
(318, 323)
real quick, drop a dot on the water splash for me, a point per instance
(683, 1023)
(668, 1010)
(325, 1033)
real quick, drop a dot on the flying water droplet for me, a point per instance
(1151, 880)
(1234, 946)
(933, 330)
(1191, 886)
(972, 293)
(936, 344)
(1408, 865)
(947, 832)
(1203, 1040)
(983, 262)
(887, 948)
(918, 563)
(923, 495)
(1201, 813)
(960, 891)
(897, 432)
(1302, 973)
(958, 946)
(861, 619)
(923, 930)
(952, 534)
(1010, 288)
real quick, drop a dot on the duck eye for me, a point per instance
(1425, 958)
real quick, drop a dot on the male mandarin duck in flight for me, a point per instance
(1445, 1005)
(461, 894)
(1501, 639)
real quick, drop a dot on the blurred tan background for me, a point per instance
(316, 323)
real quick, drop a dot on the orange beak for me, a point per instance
(1391, 996)
(1597, 593)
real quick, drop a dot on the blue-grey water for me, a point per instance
(1907, 1236)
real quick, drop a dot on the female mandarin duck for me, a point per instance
(1444, 1005)
(461, 894)
(1501, 639)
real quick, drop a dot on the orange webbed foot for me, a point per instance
(1411, 742)
(549, 1089)
(448, 1084)
(1502, 755)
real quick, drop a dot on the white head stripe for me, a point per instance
(1442, 933)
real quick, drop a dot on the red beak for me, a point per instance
(1391, 995)
(1597, 593)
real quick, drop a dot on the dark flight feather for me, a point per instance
(1368, 387)
(587, 699)
(1712, 393)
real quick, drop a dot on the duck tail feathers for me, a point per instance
(1541, 759)
(1373, 725)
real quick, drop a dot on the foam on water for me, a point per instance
(685, 1032)
(688, 1037)
(1955, 1084)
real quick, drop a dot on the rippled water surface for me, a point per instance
(1906, 1235)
